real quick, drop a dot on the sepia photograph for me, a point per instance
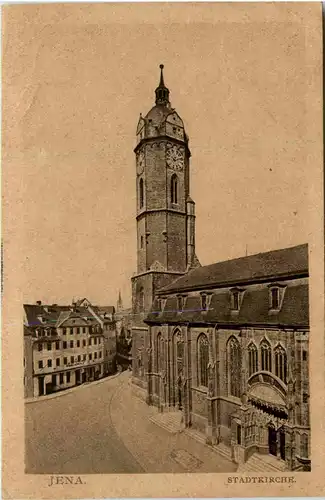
(162, 190)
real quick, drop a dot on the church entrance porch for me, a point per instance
(258, 429)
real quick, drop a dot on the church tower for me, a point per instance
(165, 213)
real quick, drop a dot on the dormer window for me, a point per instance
(180, 303)
(236, 299)
(276, 293)
(275, 302)
(205, 300)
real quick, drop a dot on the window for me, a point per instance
(304, 355)
(234, 367)
(90, 357)
(40, 346)
(64, 331)
(84, 343)
(53, 379)
(203, 360)
(78, 343)
(99, 341)
(95, 356)
(174, 189)
(280, 359)
(266, 358)
(64, 345)
(49, 346)
(235, 300)
(238, 434)
(49, 363)
(305, 398)
(158, 353)
(204, 303)
(304, 445)
(68, 377)
(89, 341)
(79, 358)
(141, 299)
(57, 361)
(78, 330)
(71, 343)
(65, 360)
(72, 360)
(40, 364)
(84, 329)
(141, 241)
(141, 193)
(252, 359)
(61, 378)
(95, 340)
(100, 354)
(178, 354)
(180, 303)
(57, 345)
(275, 298)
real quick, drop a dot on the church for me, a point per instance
(225, 346)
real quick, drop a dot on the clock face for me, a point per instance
(140, 162)
(175, 158)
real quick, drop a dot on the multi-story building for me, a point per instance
(225, 345)
(66, 346)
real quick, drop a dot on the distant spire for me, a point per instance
(119, 301)
(162, 92)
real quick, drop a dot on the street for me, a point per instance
(73, 434)
(104, 428)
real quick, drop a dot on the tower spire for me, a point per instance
(162, 92)
(119, 302)
(161, 83)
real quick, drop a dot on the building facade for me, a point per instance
(226, 344)
(229, 349)
(65, 346)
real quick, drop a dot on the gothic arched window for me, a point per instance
(202, 360)
(141, 193)
(141, 299)
(280, 358)
(174, 188)
(178, 352)
(266, 356)
(234, 367)
(252, 359)
(158, 353)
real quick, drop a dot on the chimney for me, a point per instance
(39, 302)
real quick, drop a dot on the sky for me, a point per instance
(76, 78)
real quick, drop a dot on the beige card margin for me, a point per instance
(15, 484)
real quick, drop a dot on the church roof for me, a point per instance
(254, 309)
(274, 264)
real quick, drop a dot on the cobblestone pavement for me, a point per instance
(104, 428)
(154, 447)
